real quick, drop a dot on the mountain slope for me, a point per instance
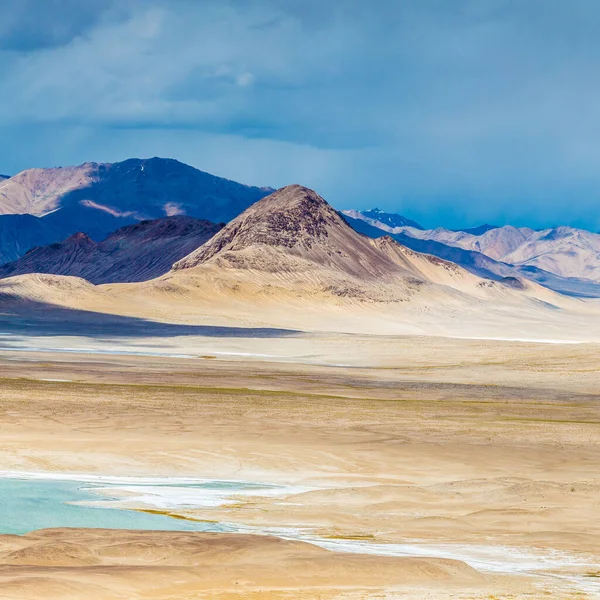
(379, 218)
(102, 197)
(38, 191)
(294, 238)
(565, 251)
(495, 243)
(483, 266)
(134, 253)
(20, 233)
(428, 267)
(292, 230)
(498, 243)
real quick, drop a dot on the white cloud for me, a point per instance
(245, 79)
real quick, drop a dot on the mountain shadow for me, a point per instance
(20, 319)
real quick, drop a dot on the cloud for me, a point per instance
(245, 79)
(463, 110)
(29, 25)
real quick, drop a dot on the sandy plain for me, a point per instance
(479, 458)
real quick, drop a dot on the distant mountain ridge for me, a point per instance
(390, 219)
(137, 252)
(495, 243)
(478, 230)
(482, 265)
(97, 198)
(564, 252)
(379, 218)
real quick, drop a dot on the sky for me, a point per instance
(452, 112)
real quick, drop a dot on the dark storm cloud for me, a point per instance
(462, 110)
(27, 25)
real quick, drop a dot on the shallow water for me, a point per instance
(30, 504)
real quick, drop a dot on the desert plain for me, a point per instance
(415, 466)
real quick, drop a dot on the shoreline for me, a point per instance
(529, 561)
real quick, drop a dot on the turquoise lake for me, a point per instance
(27, 505)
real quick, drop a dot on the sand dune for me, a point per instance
(76, 563)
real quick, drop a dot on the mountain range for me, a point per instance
(383, 220)
(131, 221)
(564, 259)
(133, 253)
(98, 198)
(291, 262)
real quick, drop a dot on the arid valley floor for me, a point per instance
(418, 467)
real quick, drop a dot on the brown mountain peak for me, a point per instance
(294, 219)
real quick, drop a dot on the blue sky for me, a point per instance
(452, 112)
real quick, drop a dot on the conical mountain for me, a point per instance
(294, 242)
(291, 231)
